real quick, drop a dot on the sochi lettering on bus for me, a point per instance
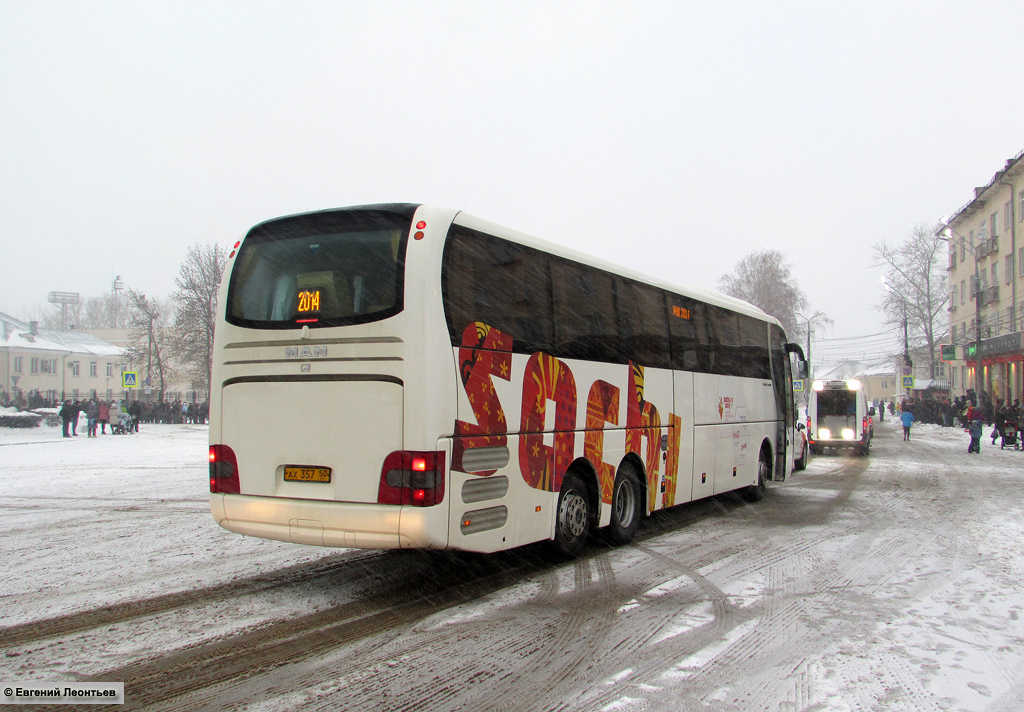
(486, 352)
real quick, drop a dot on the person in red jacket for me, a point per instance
(104, 415)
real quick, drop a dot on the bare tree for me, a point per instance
(53, 315)
(918, 289)
(198, 282)
(149, 336)
(763, 278)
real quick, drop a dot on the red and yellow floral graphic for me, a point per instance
(602, 407)
(485, 352)
(643, 421)
(546, 379)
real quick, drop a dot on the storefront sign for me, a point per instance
(1001, 345)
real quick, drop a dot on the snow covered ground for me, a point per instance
(892, 582)
(91, 522)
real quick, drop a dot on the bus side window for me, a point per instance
(727, 356)
(584, 320)
(688, 333)
(754, 340)
(643, 323)
(502, 284)
(528, 286)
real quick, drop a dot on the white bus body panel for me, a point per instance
(348, 426)
(351, 425)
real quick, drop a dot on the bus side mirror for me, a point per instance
(801, 369)
(871, 411)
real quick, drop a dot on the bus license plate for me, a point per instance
(294, 473)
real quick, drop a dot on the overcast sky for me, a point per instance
(673, 138)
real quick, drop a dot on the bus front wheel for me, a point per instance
(572, 522)
(754, 493)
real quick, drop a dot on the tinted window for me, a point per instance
(725, 356)
(584, 302)
(573, 311)
(643, 325)
(739, 345)
(689, 333)
(323, 269)
(754, 341)
(500, 283)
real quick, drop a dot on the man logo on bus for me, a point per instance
(305, 352)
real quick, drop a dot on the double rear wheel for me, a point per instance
(577, 513)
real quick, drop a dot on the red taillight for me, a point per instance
(415, 478)
(224, 470)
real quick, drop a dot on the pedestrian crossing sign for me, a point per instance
(130, 379)
(908, 381)
(798, 385)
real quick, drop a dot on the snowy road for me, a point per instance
(893, 582)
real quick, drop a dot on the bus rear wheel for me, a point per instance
(572, 520)
(625, 507)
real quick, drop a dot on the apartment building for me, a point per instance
(986, 283)
(55, 364)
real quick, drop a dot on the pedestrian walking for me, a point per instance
(907, 418)
(76, 408)
(975, 427)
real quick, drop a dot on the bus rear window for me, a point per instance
(323, 269)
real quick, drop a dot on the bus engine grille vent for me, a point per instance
(485, 488)
(482, 459)
(482, 520)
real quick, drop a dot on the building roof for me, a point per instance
(978, 201)
(17, 334)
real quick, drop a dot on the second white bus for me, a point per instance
(399, 375)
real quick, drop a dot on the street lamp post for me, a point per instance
(809, 319)
(977, 304)
(116, 287)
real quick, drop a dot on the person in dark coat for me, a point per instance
(135, 410)
(66, 412)
(76, 409)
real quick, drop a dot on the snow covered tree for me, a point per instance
(763, 278)
(198, 282)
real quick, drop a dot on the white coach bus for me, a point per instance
(392, 376)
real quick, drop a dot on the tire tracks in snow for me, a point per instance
(71, 623)
(193, 677)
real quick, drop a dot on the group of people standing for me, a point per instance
(98, 415)
(970, 412)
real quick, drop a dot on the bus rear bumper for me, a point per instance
(342, 524)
